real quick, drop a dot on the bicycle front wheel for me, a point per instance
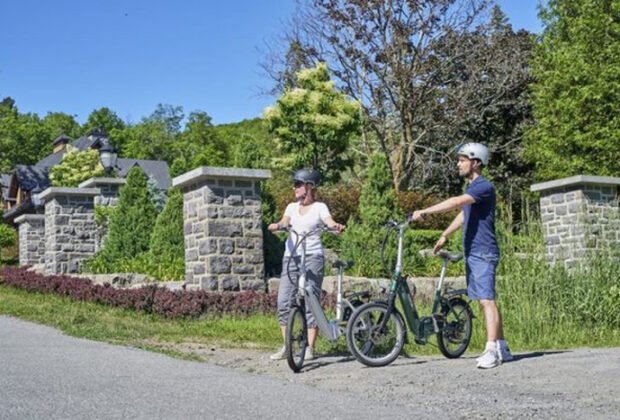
(368, 342)
(296, 338)
(455, 334)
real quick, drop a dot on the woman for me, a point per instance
(303, 215)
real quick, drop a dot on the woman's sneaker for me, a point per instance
(489, 359)
(281, 354)
(309, 354)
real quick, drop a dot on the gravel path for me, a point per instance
(580, 383)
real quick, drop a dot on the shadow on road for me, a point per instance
(346, 358)
(518, 357)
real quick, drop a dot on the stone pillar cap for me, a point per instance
(93, 182)
(29, 218)
(205, 172)
(52, 192)
(576, 180)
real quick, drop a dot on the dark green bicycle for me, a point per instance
(376, 331)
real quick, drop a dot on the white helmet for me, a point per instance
(474, 151)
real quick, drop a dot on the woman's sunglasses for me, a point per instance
(297, 184)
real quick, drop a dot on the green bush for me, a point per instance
(8, 237)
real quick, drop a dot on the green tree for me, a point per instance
(378, 200)
(148, 140)
(576, 92)
(131, 223)
(198, 145)
(167, 242)
(22, 137)
(76, 167)
(57, 123)
(7, 237)
(250, 143)
(314, 123)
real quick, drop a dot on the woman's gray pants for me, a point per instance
(288, 287)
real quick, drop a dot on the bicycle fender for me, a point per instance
(455, 293)
(398, 314)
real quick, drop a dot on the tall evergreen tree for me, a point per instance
(576, 93)
(378, 201)
(167, 241)
(131, 223)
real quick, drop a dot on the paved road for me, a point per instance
(44, 374)
(47, 375)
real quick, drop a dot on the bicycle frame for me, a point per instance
(421, 327)
(330, 328)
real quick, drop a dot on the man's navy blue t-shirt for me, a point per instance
(479, 223)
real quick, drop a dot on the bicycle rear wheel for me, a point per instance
(296, 338)
(367, 343)
(455, 334)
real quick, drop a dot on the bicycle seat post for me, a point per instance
(339, 293)
(442, 275)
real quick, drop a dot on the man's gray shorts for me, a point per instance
(288, 287)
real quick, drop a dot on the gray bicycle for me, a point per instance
(296, 337)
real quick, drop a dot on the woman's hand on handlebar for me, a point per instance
(337, 228)
(276, 227)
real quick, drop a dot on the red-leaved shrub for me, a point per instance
(150, 299)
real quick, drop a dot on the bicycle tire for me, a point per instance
(365, 344)
(456, 329)
(296, 339)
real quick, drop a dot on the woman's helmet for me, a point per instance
(474, 151)
(307, 176)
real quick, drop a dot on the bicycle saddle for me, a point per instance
(342, 264)
(446, 255)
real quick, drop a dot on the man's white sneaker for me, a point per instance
(489, 359)
(281, 354)
(309, 354)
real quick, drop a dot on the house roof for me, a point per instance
(157, 169)
(63, 138)
(32, 178)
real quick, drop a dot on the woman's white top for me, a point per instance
(316, 216)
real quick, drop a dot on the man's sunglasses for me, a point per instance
(298, 184)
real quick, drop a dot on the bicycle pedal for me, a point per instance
(420, 341)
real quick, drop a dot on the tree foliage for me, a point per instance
(378, 201)
(76, 167)
(8, 237)
(576, 92)
(429, 75)
(314, 122)
(168, 241)
(131, 223)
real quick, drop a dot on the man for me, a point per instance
(477, 216)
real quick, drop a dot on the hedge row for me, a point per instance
(150, 299)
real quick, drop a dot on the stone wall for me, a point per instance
(579, 214)
(70, 229)
(31, 239)
(223, 228)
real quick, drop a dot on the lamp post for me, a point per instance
(108, 158)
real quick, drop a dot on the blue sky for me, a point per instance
(77, 56)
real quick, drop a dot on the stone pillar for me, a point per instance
(110, 188)
(223, 228)
(31, 239)
(70, 229)
(579, 214)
